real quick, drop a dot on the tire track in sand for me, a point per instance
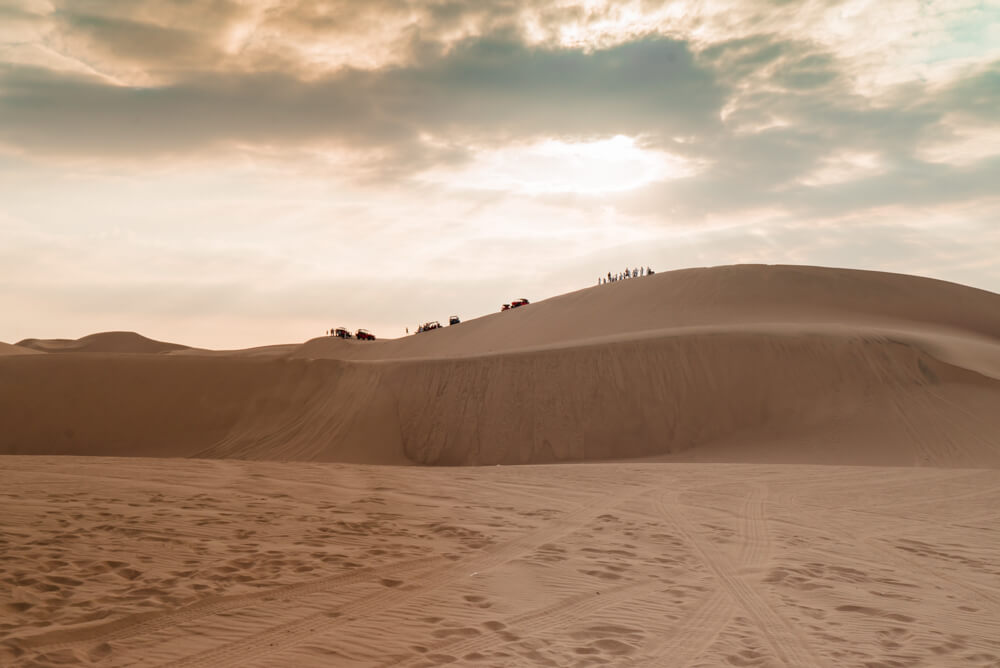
(789, 645)
(890, 553)
(691, 638)
(688, 640)
(553, 616)
(756, 538)
(151, 622)
(284, 636)
(695, 634)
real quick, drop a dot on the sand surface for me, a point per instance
(771, 466)
(201, 563)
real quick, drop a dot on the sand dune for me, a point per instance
(8, 349)
(729, 298)
(704, 364)
(104, 342)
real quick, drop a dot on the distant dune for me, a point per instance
(8, 349)
(104, 342)
(739, 364)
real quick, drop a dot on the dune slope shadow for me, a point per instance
(159, 406)
(640, 398)
(674, 394)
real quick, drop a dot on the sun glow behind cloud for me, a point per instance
(554, 166)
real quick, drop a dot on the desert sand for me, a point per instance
(747, 466)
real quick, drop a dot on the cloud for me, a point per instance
(125, 42)
(267, 160)
(481, 88)
(798, 138)
(977, 96)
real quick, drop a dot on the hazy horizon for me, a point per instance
(230, 174)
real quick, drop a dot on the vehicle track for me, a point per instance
(756, 538)
(881, 555)
(120, 480)
(788, 644)
(890, 553)
(692, 636)
(290, 634)
(688, 640)
(151, 622)
(546, 618)
(922, 479)
(698, 631)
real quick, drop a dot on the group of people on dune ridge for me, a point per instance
(635, 272)
(628, 273)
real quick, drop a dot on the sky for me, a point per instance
(231, 173)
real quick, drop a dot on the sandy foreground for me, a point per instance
(225, 563)
(771, 466)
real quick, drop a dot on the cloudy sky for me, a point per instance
(233, 173)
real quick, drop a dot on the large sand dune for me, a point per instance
(820, 365)
(723, 298)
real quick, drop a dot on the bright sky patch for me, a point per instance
(553, 166)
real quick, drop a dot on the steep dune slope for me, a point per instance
(739, 363)
(837, 399)
(165, 406)
(103, 342)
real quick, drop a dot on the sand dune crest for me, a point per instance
(10, 349)
(103, 342)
